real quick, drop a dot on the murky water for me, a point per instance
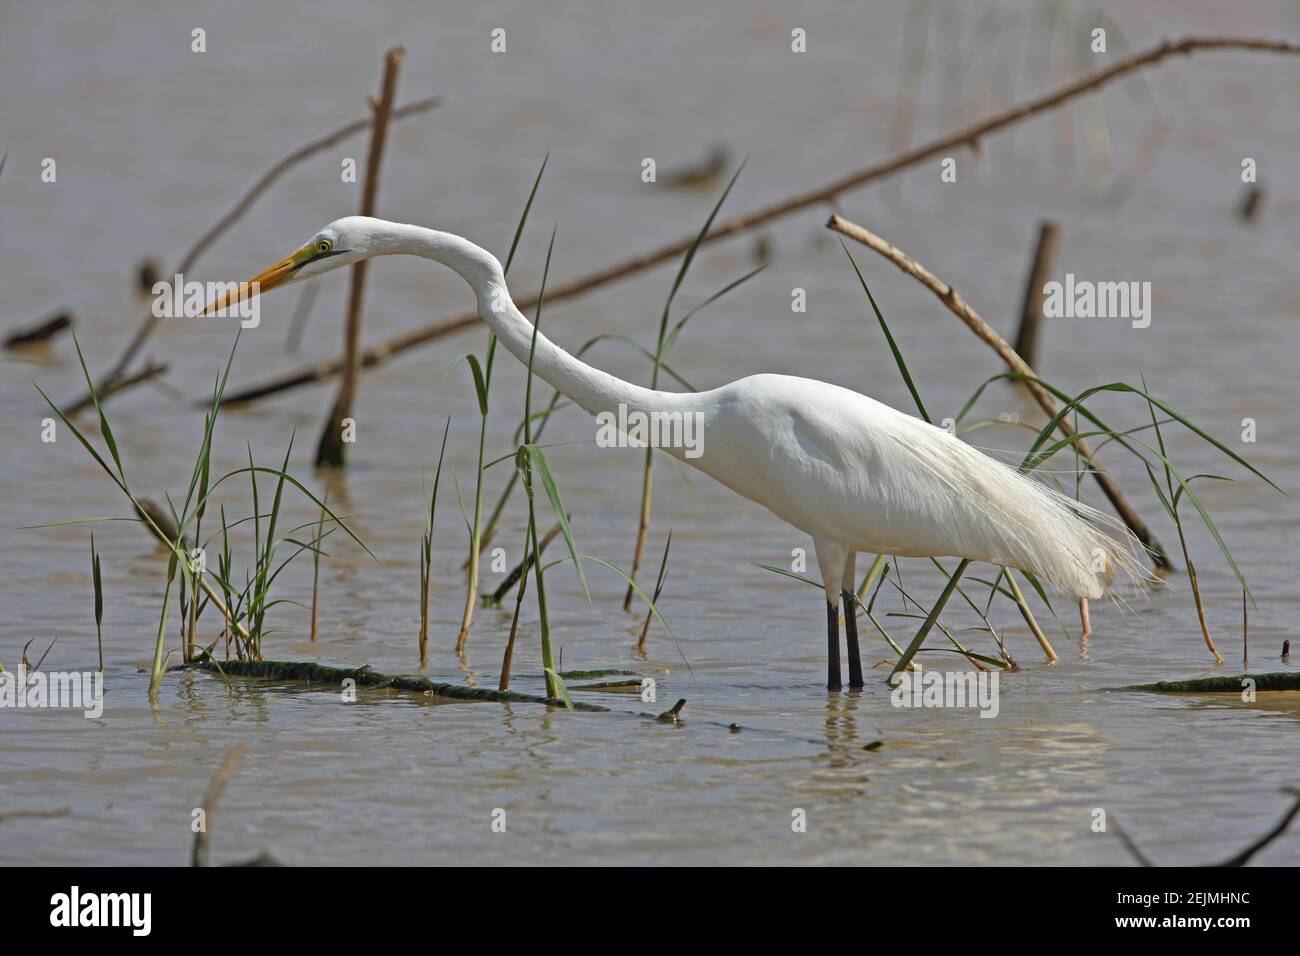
(152, 144)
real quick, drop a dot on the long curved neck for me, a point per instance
(589, 387)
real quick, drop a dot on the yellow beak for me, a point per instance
(264, 281)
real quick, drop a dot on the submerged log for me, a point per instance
(1279, 680)
(366, 677)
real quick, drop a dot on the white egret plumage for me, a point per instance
(854, 474)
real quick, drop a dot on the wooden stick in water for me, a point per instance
(1031, 311)
(329, 450)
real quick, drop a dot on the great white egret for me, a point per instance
(854, 474)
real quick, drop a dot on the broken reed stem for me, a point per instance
(959, 307)
(1028, 615)
(966, 137)
(199, 855)
(201, 245)
(1031, 310)
(329, 451)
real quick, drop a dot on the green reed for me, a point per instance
(244, 609)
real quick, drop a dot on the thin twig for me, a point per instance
(966, 137)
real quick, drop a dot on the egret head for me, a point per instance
(342, 242)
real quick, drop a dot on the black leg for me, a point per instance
(851, 636)
(832, 647)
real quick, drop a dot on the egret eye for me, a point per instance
(324, 246)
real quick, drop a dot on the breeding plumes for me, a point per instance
(850, 472)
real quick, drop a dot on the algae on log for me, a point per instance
(1279, 680)
(365, 677)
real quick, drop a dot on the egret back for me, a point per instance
(846, 468)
